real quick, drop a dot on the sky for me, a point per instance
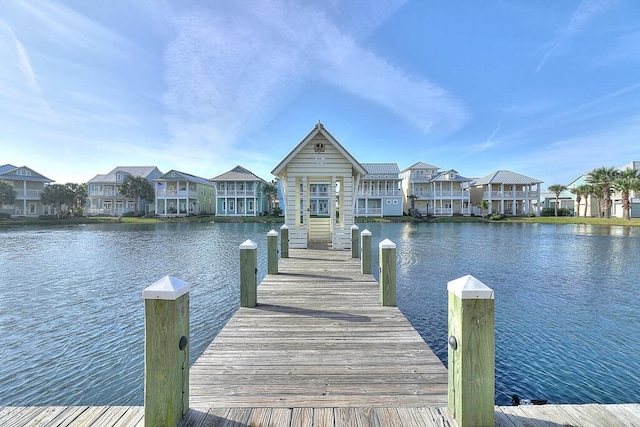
(547, 89)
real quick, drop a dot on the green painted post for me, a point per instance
(355, 250)
(365, 252)
(272, 252)
(284, 241)
(248, 274)
(387, 257)
(166, 352)
(471, 362)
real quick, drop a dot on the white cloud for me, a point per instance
(586, 11)
(233, 65)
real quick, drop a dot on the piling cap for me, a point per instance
(355, 227)
(248, 244)
(365, 233)
(468, 287)
(284, 227)
(272, 233)
(386, 244)
(168, 288)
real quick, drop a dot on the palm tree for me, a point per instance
(603, 177)
(557, 189)
(484, 205)
(270, 190)
(412, 198)
(596, 191)
(579, 191)
(627, 181)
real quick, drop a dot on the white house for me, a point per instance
(508, 193)
(435, 193)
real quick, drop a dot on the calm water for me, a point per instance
(71, 312)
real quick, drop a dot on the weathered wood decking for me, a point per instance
(318, 338)
(319, 350)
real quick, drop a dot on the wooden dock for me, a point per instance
(319, 350)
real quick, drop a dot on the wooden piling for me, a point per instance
(365, 252)
(166, 352)
(272, 252)
(284, 241)
(471, 383)
(248, 274)
(387, 258)
(355, 250)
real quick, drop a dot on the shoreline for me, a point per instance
(273, 219)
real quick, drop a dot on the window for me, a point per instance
(23, 172)
(395, 202)
(119, 177)
(46, 210)
(388, 202)
(32, 208)
(232, 206)
(319, 199)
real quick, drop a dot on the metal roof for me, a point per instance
(444, 176)
(381, 169)
(186, 176)
(421, 165)
(506, 177)
(143, 171)
(238, 174)
(9, 172)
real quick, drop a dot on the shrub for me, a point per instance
(277, 211)
(4, 215)
(47, 217)
(496, 217)
(531, 215)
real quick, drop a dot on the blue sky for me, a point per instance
(549, 89)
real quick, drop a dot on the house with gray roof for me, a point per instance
(181, 194)
(508, 193)
(416, 187)
(104, 195)
(239, 193)
(379, 192)
(28, 186)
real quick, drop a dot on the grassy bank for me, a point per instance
(273, 219)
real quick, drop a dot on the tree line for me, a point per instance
(601, 182)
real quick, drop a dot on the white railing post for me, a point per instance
(166, 352)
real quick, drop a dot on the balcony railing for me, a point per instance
(379, 193)
(368, 211)
(176, 193)
(30, 194)
(441, 194)
(496, 195)
(237, 193)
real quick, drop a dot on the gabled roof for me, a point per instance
(143, 171)
(381, 168)
(632, 165)
(319, 129)
(444, 176)
(238, 174)
(506, 177)
(10, 172)
(421, 165)
(187, 177)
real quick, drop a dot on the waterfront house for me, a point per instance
(28, 185)
(435, 193)
(508, 193)
(416, 187)
(239, 193)
(565, 200)
(589, 204)
(104, 197)
(318, 180)
(181, 194)
(379, 192)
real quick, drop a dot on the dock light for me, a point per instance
(183, 343)
(453, 342)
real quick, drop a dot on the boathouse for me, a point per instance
(318, 179)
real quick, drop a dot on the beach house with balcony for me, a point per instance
(508, 193)
(433, 192)
(379, 192)
(28, 186)
(104, 197)
(239, 193)
(416, 187)
(181, 194)
(318, 179)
